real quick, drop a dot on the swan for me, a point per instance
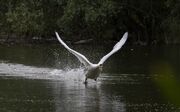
(93, 70)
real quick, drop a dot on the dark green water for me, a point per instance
(46, 78)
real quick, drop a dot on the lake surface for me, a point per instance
(47, 78)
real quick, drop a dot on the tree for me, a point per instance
(25, 21)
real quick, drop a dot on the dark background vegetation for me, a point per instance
(147, 21)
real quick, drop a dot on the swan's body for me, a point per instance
(93, 70)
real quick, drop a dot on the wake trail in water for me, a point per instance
(32, 72)
(14, 70)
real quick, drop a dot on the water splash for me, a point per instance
(32, 72)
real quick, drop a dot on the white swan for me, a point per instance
(93, 70)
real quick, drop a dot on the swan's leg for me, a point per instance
(85, 82)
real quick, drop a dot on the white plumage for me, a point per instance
(93, 70)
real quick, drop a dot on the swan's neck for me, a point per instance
(97, 66)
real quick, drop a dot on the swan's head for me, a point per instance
(100, 67)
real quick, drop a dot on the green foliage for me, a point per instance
(23, 20)
(147, 21)
(86, 18)
(171, 24)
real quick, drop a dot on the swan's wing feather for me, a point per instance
(81, 57)
(115, 48)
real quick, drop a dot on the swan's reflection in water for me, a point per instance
(75, 97)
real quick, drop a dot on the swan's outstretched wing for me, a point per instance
(81, 57)
(115, 48)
